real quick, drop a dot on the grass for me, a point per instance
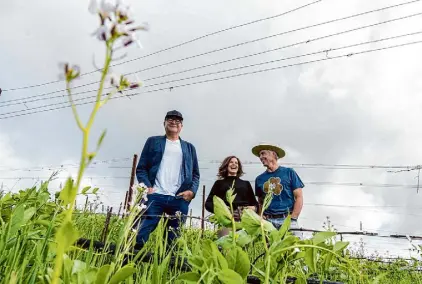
(30, 220)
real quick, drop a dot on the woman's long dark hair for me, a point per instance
(223, 170)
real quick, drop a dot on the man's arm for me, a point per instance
(189, 194)
(297, 208)
(195, 171)
(142, 168)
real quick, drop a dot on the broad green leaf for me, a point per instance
(78, 266)
(221, 260)
(238, 225)
(322, 237)
(277, 248)
(260, 268)
(68, 265)
(228, 276)
(102, 274)
(212, 219)
(243, 238)
(90, 276)
(67, 234)
(268, 226)
(85, 189)
(100, 140)
(311, 258)
(196, 262)
(225, 241)
(238, 260)
(28, 214)
(285, 227)
(207, 250)
(298, 255)
(327, 261)
(68, 193)
(222, 213)
(17, 219)
(251, 222)
(94, 191)
(340, 246)
(190, 277)
(7, 197)
(122, 274)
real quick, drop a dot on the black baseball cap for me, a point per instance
(174, 113)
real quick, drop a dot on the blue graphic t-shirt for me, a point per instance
(281, 183)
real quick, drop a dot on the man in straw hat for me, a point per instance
(282, 182)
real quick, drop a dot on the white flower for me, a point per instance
(142, 185)
(140, 207)
(122, 29)
(103, 33)
(105, 7)
(131, 38)
(122, 9)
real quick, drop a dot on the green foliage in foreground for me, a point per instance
(29, 226)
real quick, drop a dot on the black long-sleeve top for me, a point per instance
(242, 188)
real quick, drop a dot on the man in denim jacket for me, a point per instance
(283, 183)
(168, 166)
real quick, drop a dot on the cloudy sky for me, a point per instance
(357, 110)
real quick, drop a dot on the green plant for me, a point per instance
(115, 27)
(281, 249)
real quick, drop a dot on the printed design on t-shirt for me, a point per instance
(274, 185)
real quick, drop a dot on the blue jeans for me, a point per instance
(278, 222)
(158, 204)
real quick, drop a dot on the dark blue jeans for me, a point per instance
(158, 204)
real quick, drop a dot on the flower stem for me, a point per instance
(84, 159)
(267, 255)
(75, 113)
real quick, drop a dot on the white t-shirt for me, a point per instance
(168, 178)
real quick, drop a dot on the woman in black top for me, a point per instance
(230, 170)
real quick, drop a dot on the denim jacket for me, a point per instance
(150, 160)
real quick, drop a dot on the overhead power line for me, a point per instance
(43, 96)
(317, 183)
(342, 166)
(65, 165)
(362, 206)
(16, 113)
(181, 44)
(241, 44)
(244, 162)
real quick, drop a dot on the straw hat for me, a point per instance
(263, 146)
